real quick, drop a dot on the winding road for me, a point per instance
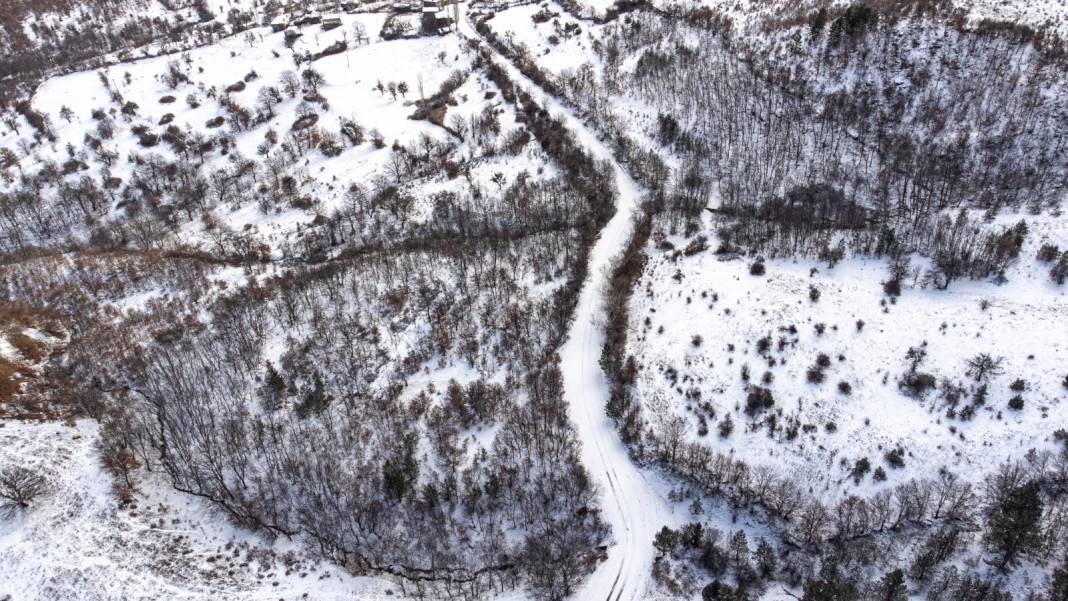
(630, 499)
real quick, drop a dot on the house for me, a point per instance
(331, 22)
(401, 7)
(309, 19)
(279, 23)
(350, 7)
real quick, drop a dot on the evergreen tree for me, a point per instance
(892, 587)
(766, 561)
(1014, 526)
(666, 540)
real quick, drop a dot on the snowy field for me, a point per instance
(77, 542)
(716, 299)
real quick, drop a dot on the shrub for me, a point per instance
(895, 458)
(860, 324)
(879, 475)
(695, 246)
(915, 384)
(815, 375)
(892, 287)
(696, 340)
(1018, 385)
(1048, 253)
(757, 268)
(1016, 403)
(758, 400)
(726, 426)
(1059, 272)
(166, 100)
(860, 468)
(813, 294)
(823, 361)
(845, 387)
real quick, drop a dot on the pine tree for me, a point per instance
(666, 540)
(273, 390)
(765, 559)
(892, 587)
(1058, 583)
(1014, 527)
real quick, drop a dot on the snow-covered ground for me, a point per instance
(679, 299)
(78, 543)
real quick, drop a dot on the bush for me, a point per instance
(915, 384)
(726, 426)
(813, 294)
(1048, 253)
(757, 268)
(860, 468)
(896, 458)
(823, 361)
(815, 375)
(1016, 403)
(879, 475)
(758, 400)
(845, 388)
(1059, 272)
(1018, 385)
(892, 287)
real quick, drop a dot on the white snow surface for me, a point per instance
(730, 310)
(78, 543)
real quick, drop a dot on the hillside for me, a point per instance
(540, 300)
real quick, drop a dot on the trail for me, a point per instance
(630, 502)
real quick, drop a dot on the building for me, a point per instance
(331, 22)
(279, 23)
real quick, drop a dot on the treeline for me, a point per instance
(900, 127)
(91, 31)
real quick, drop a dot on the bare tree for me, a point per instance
(984, 365)
(19, 487)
